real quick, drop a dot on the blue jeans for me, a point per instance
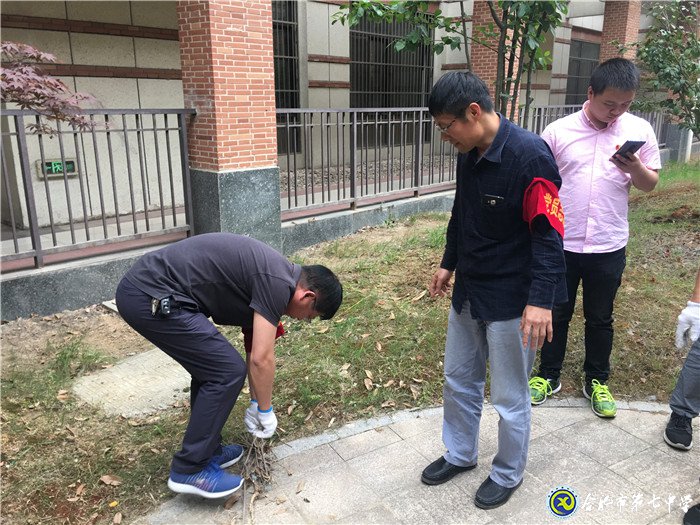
(218, 371)
(470, 344)
(685, 399)
(600, 275)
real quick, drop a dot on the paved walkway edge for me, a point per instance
(360, 426)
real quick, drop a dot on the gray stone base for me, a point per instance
(245, 202)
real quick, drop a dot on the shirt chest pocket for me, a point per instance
(496, 217)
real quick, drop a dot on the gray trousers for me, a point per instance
(685, 399)
(470, 343)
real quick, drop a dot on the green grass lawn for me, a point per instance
(382, 352)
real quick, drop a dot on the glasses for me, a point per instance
(444, 130)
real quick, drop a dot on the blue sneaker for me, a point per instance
(230, 454)
(212, 482)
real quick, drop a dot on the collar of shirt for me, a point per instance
(493, 153)
(588, 122)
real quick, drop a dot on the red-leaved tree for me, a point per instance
(23, 83)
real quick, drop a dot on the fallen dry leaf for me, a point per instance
(290, 409)
(309, 416)
(368, 383)
(365, 336)
(417, 380)
(389, 404)
(75, 498)
(392, 316)
(322, 330)
(62, 396)
(230, 502)
(300, 486)
(389, 383)
(419, 296)
(368, 373)
(108, 479)
(378, 346)
(345, 366)
(117, 518)
(331, 422)
(280, 499)
(81, 488)
(415, 391)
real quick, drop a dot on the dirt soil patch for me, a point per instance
(30, 340)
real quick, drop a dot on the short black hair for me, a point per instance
(326, 286)
(454, 91)
(617, 73)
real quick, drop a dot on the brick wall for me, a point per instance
(621, 23)
(228, 77)
(484, 59)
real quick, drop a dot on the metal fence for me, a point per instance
(70, 194)
(77, 194)
(541, 117)
(347, 158)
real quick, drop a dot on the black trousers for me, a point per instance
(217, 369)
(600, 275)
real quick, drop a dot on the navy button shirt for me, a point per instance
(500, 263)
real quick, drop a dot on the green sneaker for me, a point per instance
(541, 388)
(602, 401)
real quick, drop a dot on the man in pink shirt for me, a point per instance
(594, 194)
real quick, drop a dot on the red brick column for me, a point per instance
(485, 59)
(228, 77)
(621, 23)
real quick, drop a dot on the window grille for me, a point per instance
(285, 39)
(382, 77)
(583, 58)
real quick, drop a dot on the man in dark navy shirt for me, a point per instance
(504, 246)
(169, 294)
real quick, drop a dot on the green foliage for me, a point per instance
(521, 28)
(419, 15)
(670, 53)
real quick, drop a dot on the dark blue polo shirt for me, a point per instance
(500, 265)
(226, 276)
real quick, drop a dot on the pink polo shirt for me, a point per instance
(594, 192)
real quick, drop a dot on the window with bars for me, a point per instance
(285, 38)
(285, 41)
(382, 77)
(583, 58)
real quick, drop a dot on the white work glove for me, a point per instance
(688, 324)
(251, 417)
(267, 424)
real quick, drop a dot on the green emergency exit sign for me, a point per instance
(56, 168)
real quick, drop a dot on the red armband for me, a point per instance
(248, 336)
(542, 198)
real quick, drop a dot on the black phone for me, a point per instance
(631, 147)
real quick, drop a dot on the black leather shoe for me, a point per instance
(440, 471)
(491, 495)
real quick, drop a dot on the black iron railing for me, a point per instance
(345, 158)
(76, 192)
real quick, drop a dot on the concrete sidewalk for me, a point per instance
(620, 471)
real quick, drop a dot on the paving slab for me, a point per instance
(368, 471)
(139, 385)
